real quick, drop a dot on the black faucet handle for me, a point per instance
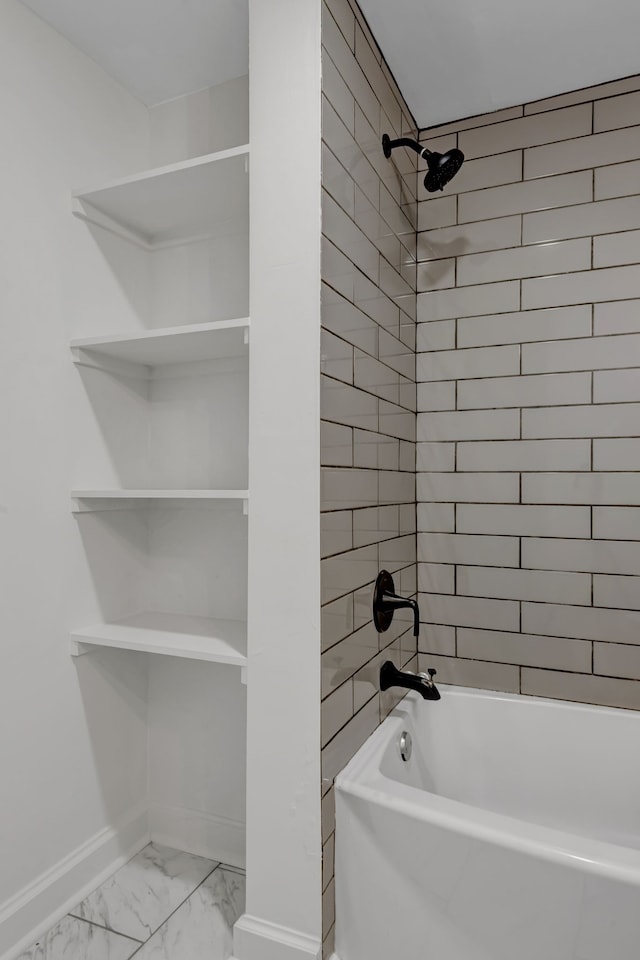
(431, 673)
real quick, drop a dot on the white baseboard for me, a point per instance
(38, 906)
(202, 834)
(255, 939)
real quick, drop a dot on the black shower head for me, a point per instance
(442, 168)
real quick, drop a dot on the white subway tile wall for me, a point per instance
(528, 370)
(368, 391)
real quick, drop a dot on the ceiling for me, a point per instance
(458, 58)
(157, 49)
(451, 58)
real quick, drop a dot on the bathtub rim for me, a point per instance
(362, 778)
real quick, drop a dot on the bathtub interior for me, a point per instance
(551, 763)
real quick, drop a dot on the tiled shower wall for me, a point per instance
(368, 392)
(529, 401)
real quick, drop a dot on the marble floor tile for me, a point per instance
(140, 896)
(201, 929)
(73, 939)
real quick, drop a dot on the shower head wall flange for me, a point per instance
(442, 166)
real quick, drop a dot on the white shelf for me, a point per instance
(171, 204)
(160, 494)
(173, 635)
(200, 341)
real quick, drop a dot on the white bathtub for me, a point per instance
(512, 833)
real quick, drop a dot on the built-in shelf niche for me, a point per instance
(176, 243)
(163, 576)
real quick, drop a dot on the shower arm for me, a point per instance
(388, 145)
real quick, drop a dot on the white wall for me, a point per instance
(67, 771)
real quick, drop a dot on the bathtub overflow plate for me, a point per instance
(405, 745)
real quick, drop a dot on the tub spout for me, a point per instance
(390, 676)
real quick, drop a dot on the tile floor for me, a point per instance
(162, 905)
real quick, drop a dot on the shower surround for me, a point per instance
(529, 401)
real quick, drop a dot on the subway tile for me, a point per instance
(535, 585)
(470, 363)
(337, 93)
(375, 524)
(370, 63)
(407, 456)
(336, 445)
(438, 639)
(582, 96)
(328, 814)
(344, 659)
(362, 609)
(616, 385)
(474, 673)
(616, 248)
(396, 354)
(583, 220)
(584, 623)
(470, 611)
(366, 682)
(437, 395)
(554, 324)
(524, 132)
(375, 451)
(437, 335)
(469, 425)
(470, 123)
(336, 710)
(328, 860)
(343, 318)
(616, 523)
(353, 76)
(342, 403)
(437, 517)
(336, 357)
(523, 520)
(616, 660)
(376, 377)
(467, 238)
(606, 420)
(468, 487)
(616, 591)
(348, 572)
(621, 316)
(396, 487)
(435, 456)
(397, 421)
(340, 229)
(407, 514)
(346, 489)
(533, 261)
(342, 13)
(337, 182)
(436, 275)
(338, 136)
(615, 112)
(617, 180)
(489, 172)
(436, 212)
(591, 353)
(337, 620)
(345, 744)
(469, 549)
(581, 688)
(501, 297)
(622, 454)
(533, 391)
(590, 556)
(582, 152)
(436, 578)
(521, 455)
(592, 488)
(561, 191)
(553, 653)
(335, 532)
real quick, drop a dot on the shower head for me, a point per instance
(442, 166)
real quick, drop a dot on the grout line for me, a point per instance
(101, 926)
